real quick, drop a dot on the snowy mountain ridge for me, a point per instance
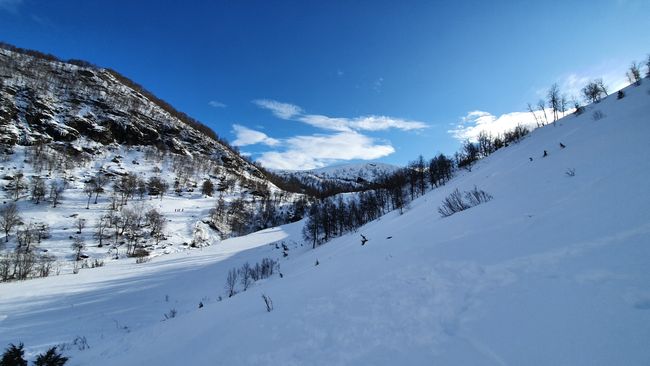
(352, 176)
(81, 107)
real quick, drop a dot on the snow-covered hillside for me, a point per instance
(552, 271)
(68, 129)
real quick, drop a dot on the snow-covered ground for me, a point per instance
(182, 211)
(552, 271)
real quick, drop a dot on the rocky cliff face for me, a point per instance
(45, 100)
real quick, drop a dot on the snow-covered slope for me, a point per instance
(552, 271)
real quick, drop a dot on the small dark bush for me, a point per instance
(14, 356)
(171, 314)
(598, 115)
(620, 94)
(50, 358)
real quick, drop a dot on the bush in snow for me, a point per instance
(452, 204)
(171, 314)
(598, 115)
(477, 196)
(457, 201)
(231, 282)
(50, 358)
(248, 274)
(14, 356)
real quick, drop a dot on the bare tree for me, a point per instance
(599, 82)
(78, 246)
(102, 225)
(542, 107)
(9, 218)
(80, 224)
(634, 74)
(593, 91)
(56, 191)
(554, 98)
(156, 222)
(532, 111)
(89, 190)
(18, 186)
(231, 282)
(37, 189)
(99, 182)
(245, 273)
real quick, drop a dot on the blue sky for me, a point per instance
(303, 84)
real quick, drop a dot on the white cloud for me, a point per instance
(217, 104)
(611, 71)
(315, 151)
(378, 123)
(476, 122)
(247, 136)
(279, 109)
(325, 122)
(363, 123)
(345, 142)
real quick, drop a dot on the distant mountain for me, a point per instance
(352, 176)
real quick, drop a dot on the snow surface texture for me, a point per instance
(552, 271)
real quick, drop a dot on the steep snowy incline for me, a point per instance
(552, 271)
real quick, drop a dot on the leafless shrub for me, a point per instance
(245, 273)
(597, 115)
(455, 202)
(170, 314)
(231, 282)
(477, 196)
(452, 204)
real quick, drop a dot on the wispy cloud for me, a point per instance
(247, 136)
(10, 5)
(316, 151)
(612, 72)
(344, 142)
(216, 104)
(363, 123)
(279, 109)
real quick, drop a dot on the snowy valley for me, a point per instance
(551, 270)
